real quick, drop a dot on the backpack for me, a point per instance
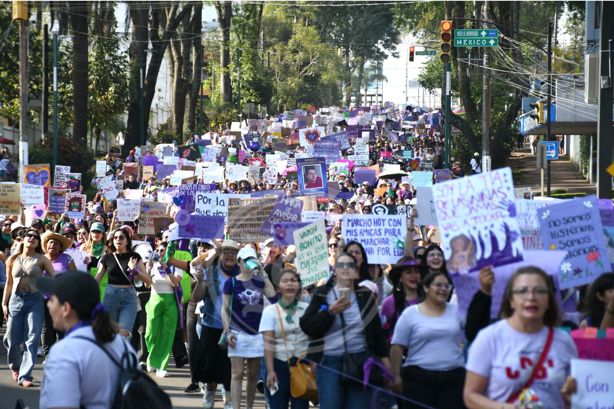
(135, 389)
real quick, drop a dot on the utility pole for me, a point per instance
(54, 143)
(548, 113)
(141, 61)
(605, 132)
(486, 160)
(20, 13)
(45, 93)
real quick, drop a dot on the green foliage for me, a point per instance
(77, 156)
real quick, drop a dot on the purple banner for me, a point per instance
(575, 227)
(341, 137)
(184, 198)
(286, 210)
(330, 149)
(202, 227)
(165, 170)
(465, 286)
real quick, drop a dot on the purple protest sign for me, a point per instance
(365, 175)
(184, 198)
(203, 227)
(465, 286)
(575, 227)
(283, 232)
(341, 137)
(263, 193)
(150, 160)
(312, 176)
(165, 170)
(286, 209)
(330, 149)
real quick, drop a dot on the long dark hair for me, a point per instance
(39, 247)
(595, 308)
(425, 267)
(363, 271)
(398, 294)
(552, 317)
(111, 247)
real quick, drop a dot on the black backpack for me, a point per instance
(135, 389)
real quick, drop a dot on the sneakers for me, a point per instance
(208, 399)
(151, 369)
(260, 386)
(192, 388)
(228, 405)
(161, 373)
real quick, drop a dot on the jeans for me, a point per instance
(121, 305)
(281, 399)
(26, 316)
(332, 394)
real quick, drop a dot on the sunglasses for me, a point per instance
(332, 245)
(119, 237)
(6, 225)
(33, 236)
(350, 264)
(82, 232)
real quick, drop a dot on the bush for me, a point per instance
(70, 153)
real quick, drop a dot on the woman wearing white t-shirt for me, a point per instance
(284, 340)
(503, 360)
(433, 373)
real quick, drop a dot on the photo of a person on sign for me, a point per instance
(312, 177)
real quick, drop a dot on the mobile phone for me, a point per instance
(344, 292)
(273, 390)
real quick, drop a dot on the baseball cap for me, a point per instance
(246, 253)
(37, 223)
(69, 228)
(79, 289)
(230, 244)
(97, 226)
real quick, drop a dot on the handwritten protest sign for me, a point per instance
(594, 343)
(75, 205)
(211, 204)
(59, 177)
(575, 227)
(236, 173)
(286, 209)
(312, 215)
(32, 194)
(311, 253)
(270, 175)
(165, 170)
(526, 213)
(245, 216)
(421, 178)
(108, 188)
(57, 200)
(37, 175)
(477, 217)
(101, 168)
(134, 194)
(148, 172)
(213, 174)
(383, 237)
(10, 202)
(312, 176)
(342, 138)
(150, 210)
(202, 227)
(329, 149)
(128, 209)
(595, 384)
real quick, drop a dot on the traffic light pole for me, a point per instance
(448, 115)
(549, 111)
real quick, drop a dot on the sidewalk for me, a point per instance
(565, 177)
(174, 384)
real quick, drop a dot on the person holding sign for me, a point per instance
(433, 372)
(344, 330)
(521, 356)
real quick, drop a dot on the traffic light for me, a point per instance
(412, 50)
(538, 113)
(20, 10)
(446, 41)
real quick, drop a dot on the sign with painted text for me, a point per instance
(10, 202)
(286, 209)
(32, 195)
(128, 209)
(245, 217)
(383, 237)
(595, 384)
(211, 204)
(311, 253)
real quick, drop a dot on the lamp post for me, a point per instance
(54, 143)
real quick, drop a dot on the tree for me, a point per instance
(224, 17)
(78, 16)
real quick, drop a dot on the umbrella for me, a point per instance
(392, 174)
(6, 141)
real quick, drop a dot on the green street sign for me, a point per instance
(426, 52)
(485, 37)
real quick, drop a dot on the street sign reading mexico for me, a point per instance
(487, 37)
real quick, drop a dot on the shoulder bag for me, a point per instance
(139, 307)
(302, 379)
(514, 396)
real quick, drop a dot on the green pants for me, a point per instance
(162, 315)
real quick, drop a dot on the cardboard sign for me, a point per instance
(56, 200)
(148, 172)
(101, 168)
(108, 188)
(10, 202)
(312, 176)
(75, 205)
(311, 253)
(595, 384)
(245, 217)
(383, 237)
(575, 227)
(39, 175)
(236, 173)
(202, 227)
(421, 178)
(32, 194)
(59, 176)
(150, 211)
(477, 217)
(211, 204)
(128, 210)
(286, 209)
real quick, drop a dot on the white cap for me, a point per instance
(247, 252)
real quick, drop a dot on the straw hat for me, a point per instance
(65, 242)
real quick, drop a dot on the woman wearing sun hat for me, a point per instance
(53, 245)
